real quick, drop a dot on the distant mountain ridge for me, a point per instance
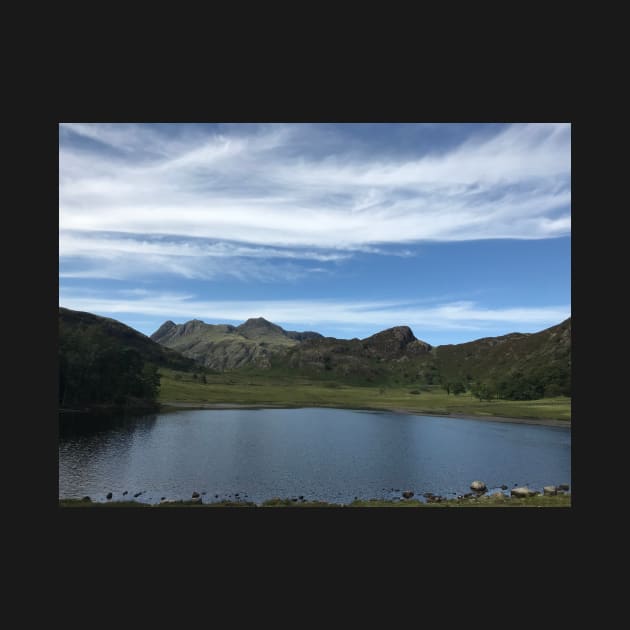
(226, 347)
(542, 360)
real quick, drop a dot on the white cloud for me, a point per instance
(250, 187)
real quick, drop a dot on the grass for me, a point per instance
(561, 500)
(251, 388)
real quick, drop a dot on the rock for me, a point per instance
(125, 492)
(533, 493)
(196, 499)
(504, 487)
(195, 495)
(407, 494)
(520, 492)
(162, 498)
(563, 486)
(109, 496)
(478, 486)
(550, 490)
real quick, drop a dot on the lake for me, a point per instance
(324, 454)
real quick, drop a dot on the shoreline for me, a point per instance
(548, 422)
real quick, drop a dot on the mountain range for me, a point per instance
(394, 356)
(525, 365)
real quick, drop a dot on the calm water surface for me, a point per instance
(322, 454)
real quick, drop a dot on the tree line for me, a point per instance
(514, 386)
(96, 368)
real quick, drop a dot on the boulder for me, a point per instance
(407, 494)
(550, 490)
(109, 496)
(563, 486)
(478, 486)
(521, 492)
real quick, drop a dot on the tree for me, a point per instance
(482, 391)
(458, 388)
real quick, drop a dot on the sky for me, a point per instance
(459, 231)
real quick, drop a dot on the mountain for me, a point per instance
(543, 357)
(518, 365)
(79, 322)
(226, 347)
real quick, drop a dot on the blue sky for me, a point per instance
(459, 231)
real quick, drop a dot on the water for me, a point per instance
(322, 454)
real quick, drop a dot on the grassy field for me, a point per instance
(561, 500)
(259, 388)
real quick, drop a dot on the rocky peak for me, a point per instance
(163, 330)
(259, 325)
(394, 341)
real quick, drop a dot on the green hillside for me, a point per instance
(105, 362)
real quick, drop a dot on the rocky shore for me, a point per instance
(479, 492)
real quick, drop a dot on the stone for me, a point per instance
(109, 496)
(550, 490)
(520, 492)
(407, 494)
(478, 486)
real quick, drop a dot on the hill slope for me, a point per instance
(72, 321)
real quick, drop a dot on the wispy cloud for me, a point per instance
(250, 187)
(379, 314)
